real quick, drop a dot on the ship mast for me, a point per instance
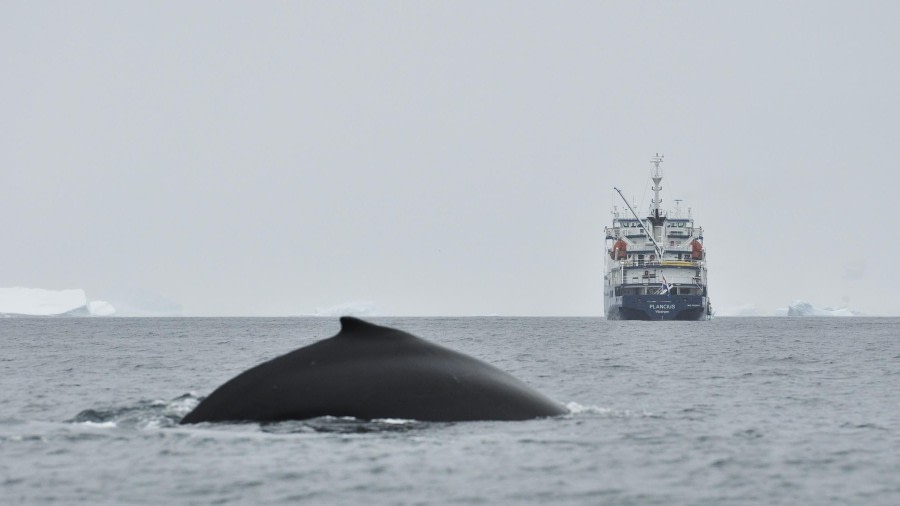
(654, 218)
(657, 178)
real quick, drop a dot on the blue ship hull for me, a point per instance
(658, 307)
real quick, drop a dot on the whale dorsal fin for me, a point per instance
(350, 324)
(354, 328)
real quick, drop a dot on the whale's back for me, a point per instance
(369, 371)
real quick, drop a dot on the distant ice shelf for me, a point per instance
(796, 308)
(804, 308)
(18, 301)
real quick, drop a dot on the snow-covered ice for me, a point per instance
(101, 308)
(804, 308)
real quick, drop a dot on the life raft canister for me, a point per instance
(619, 250)
(696, 250)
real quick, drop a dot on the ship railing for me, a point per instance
(657, 263)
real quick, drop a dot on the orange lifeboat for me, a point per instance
(696, 250)
(619, 250)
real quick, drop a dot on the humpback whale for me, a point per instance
(369, 371)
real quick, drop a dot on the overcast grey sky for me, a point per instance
(444, 158)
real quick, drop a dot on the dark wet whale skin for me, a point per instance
(370, 372)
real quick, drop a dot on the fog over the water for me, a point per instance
(444, 158)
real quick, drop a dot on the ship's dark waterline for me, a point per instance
(729, 411)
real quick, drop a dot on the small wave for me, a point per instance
(875, 426)
(343, 425)
(395, 421)
(576, 409)
(100, 425)
(148, 414)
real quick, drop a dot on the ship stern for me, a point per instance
(658, 307)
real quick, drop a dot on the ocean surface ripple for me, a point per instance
(731, 411)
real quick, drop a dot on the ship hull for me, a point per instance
(657, 307)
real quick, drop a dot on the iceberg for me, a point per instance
(18, 301)
(804, 308)
(101, 308)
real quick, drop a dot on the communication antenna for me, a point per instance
(678, 208)
(657, 178)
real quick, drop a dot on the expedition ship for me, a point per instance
(656, 266)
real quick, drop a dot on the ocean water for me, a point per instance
(730, 411)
